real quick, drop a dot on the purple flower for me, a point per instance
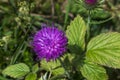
(49, 43)
(90, 2)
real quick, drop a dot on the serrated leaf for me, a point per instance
(93, 72)
(105, 50)
(31, 76)
(53, 66)
(17, 70)
(76, 35)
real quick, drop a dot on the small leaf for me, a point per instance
(43, 77)
(55, 66)
(31, 76)
(17, 70)
(76, 35)
(105, 50)
(35, 68)
(58, 77)
(2, 78)
(93, 72)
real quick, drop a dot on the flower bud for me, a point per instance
(90, 4)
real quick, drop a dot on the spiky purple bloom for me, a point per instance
(49, 43)
(90, 2)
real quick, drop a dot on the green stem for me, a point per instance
(103, 21)
(66, 72)
(18, 50)
(88, 26)
(67, 14)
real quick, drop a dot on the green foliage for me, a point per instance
(44, 77)
(105, 49)
(2, 78)
(35, 68)
(20, 19)
(53, 66)
(93, 71)
(76, 35)
(17, 70)
(58, 77)
(31, 76)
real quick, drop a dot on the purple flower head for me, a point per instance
(90, 2)
(49, 43)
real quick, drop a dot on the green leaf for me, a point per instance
(76, 35)
(58, 77)
(2, 78)
(105, 50)
(35, 68)
(93, 72)
(44, 77)
(17, 70)
(31, 76)
(53, 66)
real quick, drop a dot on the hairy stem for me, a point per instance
(88, 26)
(66, 72)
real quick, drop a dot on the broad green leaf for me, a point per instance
(76, 35)
(53, 66)
(93, 71)
(31, 76)
(17, 70)
(105, 50)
